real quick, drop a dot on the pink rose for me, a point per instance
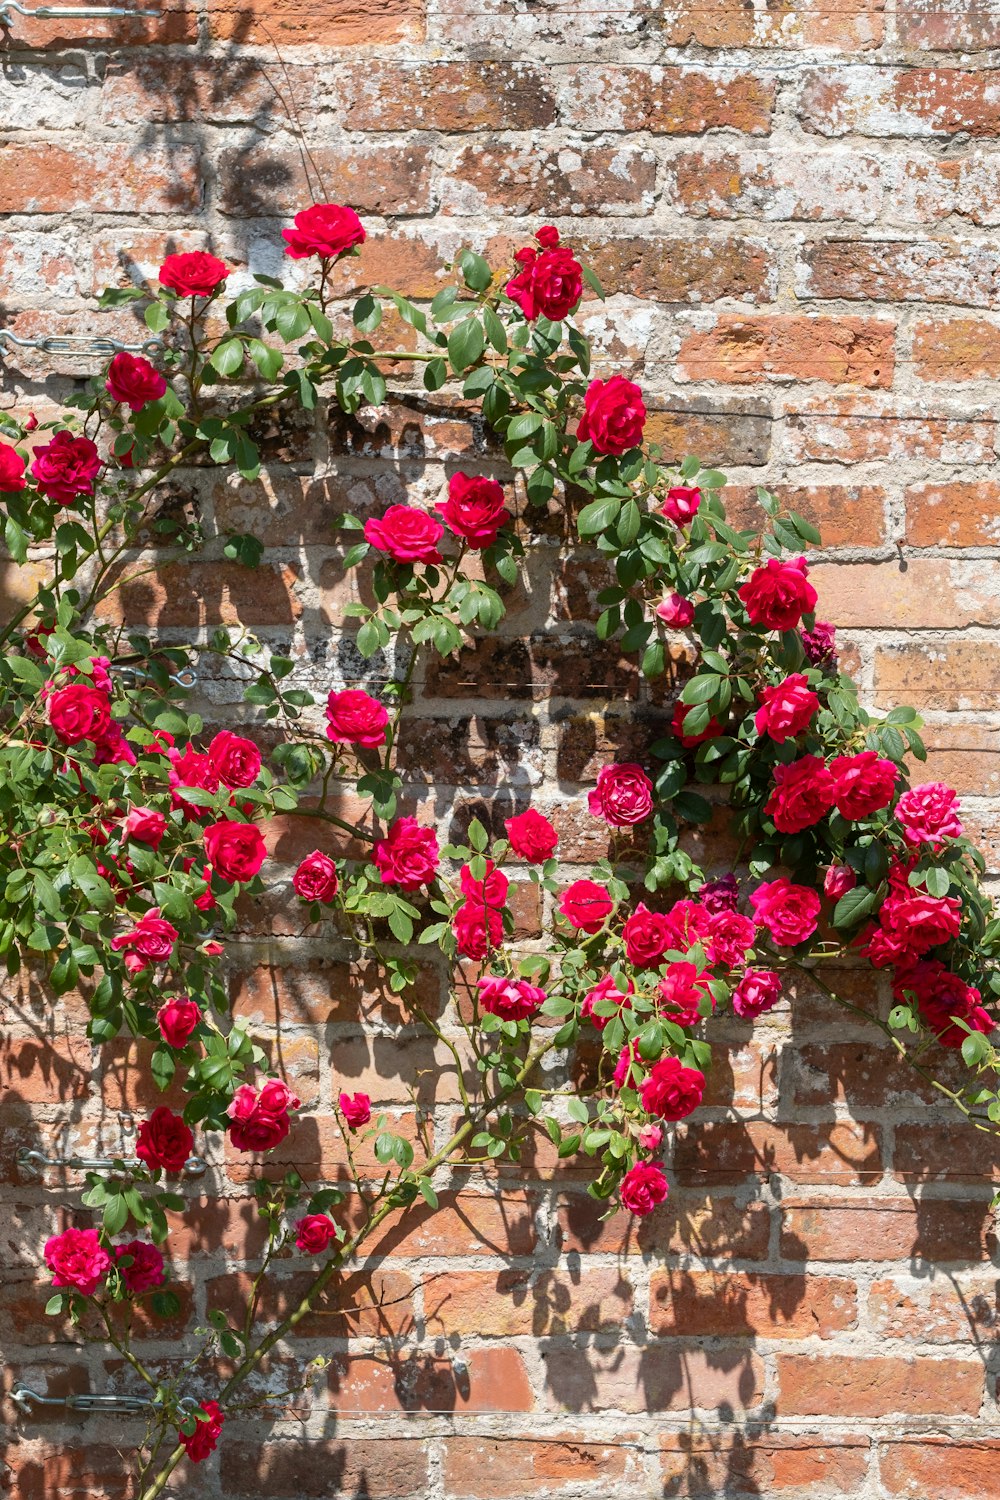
(12, 478)
(475, 509)
(145, 1271)
(510, 999)
(532, 836)
(408, 855)
(77, 1259)
(862, 784)
(314, 1233)
(819, 644)
(477, 929)
(730, 934)
(672, 1091)
(326, 229)
(316, 878)
(203, 1440)
(838, 880)
(236, 761)
(356, 1109)
(681, 504)
(407, 533)
(759, 990)
(164, 1141)
(647, 936)
(113, 748)
(643, 1187)
(789, 912)
(355, 718)
(651, 1137)
(548, 285)
(133, 381)
(613, 415)
(78, 712)
(778, 594)
(151, 941)
(491, 889)
(681, 992)
(194, 273)
(676, 611)
(803, 794)
(786, 709)
(943, 1000)
(190, 769)
(928, 814)
(711, 731)
(259, 1121)
(234, 850)
(177, 1020)
(606, 993)
(144, 825)
(720, 895)
(627, 1067)
(623, 795)
(66, 468)
(915, 922)
(585, 905)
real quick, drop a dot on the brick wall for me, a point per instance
(794, 210)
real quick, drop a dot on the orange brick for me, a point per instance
(491, 1468)
(962, 349)
(330, 23)
(453, 96)
(923, 592)
(479, 1380)
(270, 180)
(732, 1304)
(958, 513)
(934, 1311)
(843, 1385)
(671, 101)
(946, 1468)
(504, 1303)
(728, 1152)
(596, 179)
(775, 1463)
(938, 674)
(837, 429)
(840, 351)
(854, 26)
(847, 515)
(49, 178)
(940, 1230)
(304, 1470)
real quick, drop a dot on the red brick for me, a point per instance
(665, 101)
(840, 351)
(856, 25)
(661, 1376)
(961, 349)
(718, 183)
(935, 1230)
(505, 1303)
(938, 1311)
(483, 1468)
(710, 1224)
(730, 1152)
(315, 1148)
(268, 180)
(217, 593)
(42, 1071)
(302, 1470)
(920, 592)
(372, 1303)
(463, 1224)
(939, 1152)
(534, 667)
(900, 271)
(740, 1304)
(80, 1472)
(842, 1385)
(44, 177)
(324, 989)
(690, 269)
(847, 515)
(946, 1468)
(174, 24)
(476, 1380)
(325, 23)
(143, 87)
(956, 513)
(859, 1074)
(938, 674)
(814, 1468)
(453, 96)
(531, 180)
(838, 429)
(902, 101)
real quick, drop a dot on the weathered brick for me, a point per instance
(728, 1152)
(961, 349)
(455, 96)
(227, 90)
(955, 513)
(482, 1468)
(899, 102)
(938, 674)
(840, 351)
(837, 429)
(946, 25)
(683, 269)
(324, 23)
(309, 1468)
(489, 1380)
(663, 1375)
(50, 178)
(920, 592)
(947, 1468)
(854, 26)
(710, 1304)
(843, 1385)
(937, 1152)
(530, 180)
(815, 1468)
(937, 1311)
(952, 271)
(665, 101)
(270, 180)
(173, 24)
(937, 1230)
(733, 431)
(717, 183)
(547, 1303)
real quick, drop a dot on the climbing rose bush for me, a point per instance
(131, 834)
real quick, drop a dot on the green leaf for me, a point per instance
(598, 516)
(227, 357)
(852, 907)
(367, 313)
(428, 1194)
(465, 344)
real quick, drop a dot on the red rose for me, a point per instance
(916, 922)
(838, 880)
(548, 285)
(778, 594)
(789, 912)
(613, 415)
(77, 1259)
(547, 236)
(711, 731)
(79, 713)
(720, 895)
(585, 904)
(164, 1141)
(672, 1091)
(477, 929)
(510, 999)
(532, 836)
(491, 890)
(145, 1271)
(11, 470)
(786, 709)
(236, 761)
(356, 1109)
(819, 644)
(676, 611)
(133, 381)
(151, 941)
(234, 850)
(316, 878)
(730, 935)
(803, 794)
(475, 509)
(259, 1121)
(643, 1187)
(928, 814)
(355, 718)
(206, 1434)
(408, 855)
(862, 784)
(647, 936)
(943, 999)
(687, 923)
(314, 1233)
(326, 230)
(681, 504)
(191, 769)
(606, 994)
(177, 1020)
(407, 533)
(759, 990)
(627, 1070)
(144, 825)
(623, 795)
(66, 468)
(193, 274)
(682, 990)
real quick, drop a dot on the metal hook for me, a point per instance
(25, 1398)
(77, 343)
(32, 1162)
(187, 677)
(68, 12)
